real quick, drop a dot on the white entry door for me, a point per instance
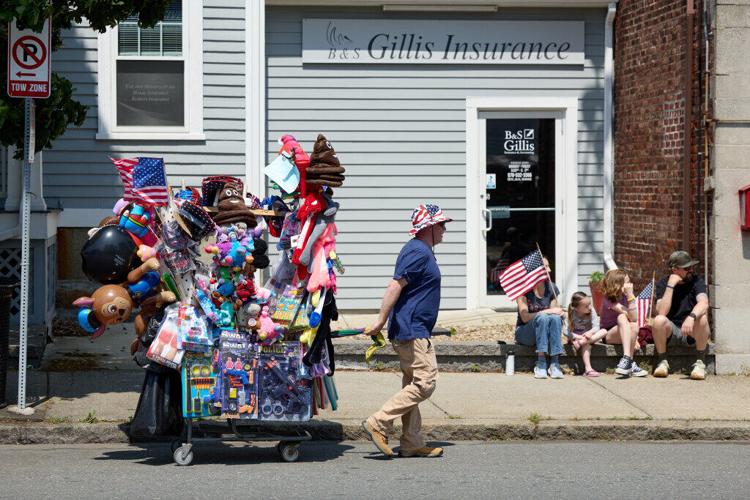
(524, 184)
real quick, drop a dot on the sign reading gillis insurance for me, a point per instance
(385, 41)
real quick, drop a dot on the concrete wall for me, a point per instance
(731, 170)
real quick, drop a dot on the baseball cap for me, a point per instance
(681, 259)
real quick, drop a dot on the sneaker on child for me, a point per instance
(624, 367)
(637, 371)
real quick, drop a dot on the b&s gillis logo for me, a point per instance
(339, 45)
(519, 142)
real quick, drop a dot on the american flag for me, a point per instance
(150, 182)
(521, 276)
(124, 167)
(644, 304)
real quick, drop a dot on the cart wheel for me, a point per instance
(289, 452)
(183, 455)
(174, 445)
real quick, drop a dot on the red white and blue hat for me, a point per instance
(425, 216)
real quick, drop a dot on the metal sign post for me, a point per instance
(23, 333)
(28, 77)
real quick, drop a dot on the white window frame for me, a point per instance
(566, 192)
(192, 55)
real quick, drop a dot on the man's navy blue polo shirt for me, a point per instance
(416, 309)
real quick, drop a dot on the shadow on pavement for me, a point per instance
(235, 453)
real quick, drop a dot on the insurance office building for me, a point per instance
(499, 112)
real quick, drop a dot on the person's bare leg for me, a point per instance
(626, 335)
(661, 330)
(701, 333)
(586, 355)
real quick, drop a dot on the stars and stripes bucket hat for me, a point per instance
(426, 215)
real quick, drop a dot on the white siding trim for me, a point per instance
(566, 189)
(192, 37)
(255, 97)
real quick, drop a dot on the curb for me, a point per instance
(599, 430)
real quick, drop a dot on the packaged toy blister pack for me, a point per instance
(238, 364)
(284, 388)
(199, 379)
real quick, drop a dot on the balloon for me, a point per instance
(109, 255)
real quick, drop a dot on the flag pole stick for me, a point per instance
(653, 292)
(552, 287)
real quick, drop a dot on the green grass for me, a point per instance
(58, 420)
(377, 366)
(474, 368)
(535, 418)
(91, 418)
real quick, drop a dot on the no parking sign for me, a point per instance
(29, 62)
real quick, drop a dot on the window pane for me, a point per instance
(151, 41)
(163, 39)
(150, 93)
(128, 39)
(173, 12)
(172, 39)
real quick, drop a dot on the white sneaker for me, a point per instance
(636, 371)
(556, 372)
(662, 369)
(540, 372)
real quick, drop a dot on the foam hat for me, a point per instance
(232, 207)
(325, 167)
(425, 216)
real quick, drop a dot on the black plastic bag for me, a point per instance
(159, 410)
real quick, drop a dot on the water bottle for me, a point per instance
(510, 364)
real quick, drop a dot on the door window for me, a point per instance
(520, 193)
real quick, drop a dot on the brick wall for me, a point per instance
(650, 112)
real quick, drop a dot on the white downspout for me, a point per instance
(609, 80)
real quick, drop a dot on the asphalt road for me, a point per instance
(351, 470)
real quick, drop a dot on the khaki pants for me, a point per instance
(419, 368)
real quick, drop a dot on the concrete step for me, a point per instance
(465, 356)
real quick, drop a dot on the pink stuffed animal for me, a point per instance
(269, 331)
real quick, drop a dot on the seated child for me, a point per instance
(583, 329)
(618, 316)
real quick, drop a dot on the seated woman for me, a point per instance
(539, 324)
(618, 316)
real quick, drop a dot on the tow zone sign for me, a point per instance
(29, 62)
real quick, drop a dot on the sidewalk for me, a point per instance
(98, 392)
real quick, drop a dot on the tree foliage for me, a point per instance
(55, 114)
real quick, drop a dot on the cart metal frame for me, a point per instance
(288, 445)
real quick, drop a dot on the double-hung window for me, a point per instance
(151, 80)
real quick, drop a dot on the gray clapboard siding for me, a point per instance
(400, 131)
(78, 173)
